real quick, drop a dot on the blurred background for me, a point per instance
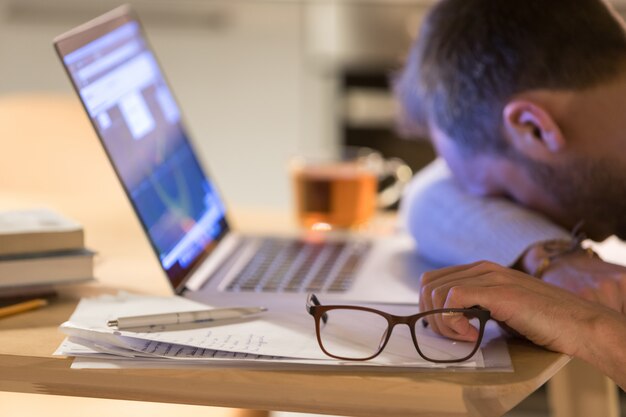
(259, 81)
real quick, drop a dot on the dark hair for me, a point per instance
(472, 56)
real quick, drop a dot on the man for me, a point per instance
(525, 102)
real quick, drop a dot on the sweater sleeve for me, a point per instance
(453, 227)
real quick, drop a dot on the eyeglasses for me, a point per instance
(360, 333)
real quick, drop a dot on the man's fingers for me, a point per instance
(437, 291)
(432, 287)
(455, 325)
(426, 304)
(433, 275)
(460, 327)
(468, 295)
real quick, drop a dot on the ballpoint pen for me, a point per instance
(185, 317)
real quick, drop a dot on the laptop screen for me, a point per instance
(139, 123)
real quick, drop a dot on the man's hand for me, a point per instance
(589, 277)
(545, 314)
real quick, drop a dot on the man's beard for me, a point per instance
(593, 192)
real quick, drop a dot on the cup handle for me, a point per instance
(400, 174)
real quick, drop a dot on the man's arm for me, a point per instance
(453, 227)
(545, 314)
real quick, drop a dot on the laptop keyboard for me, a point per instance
(288, 265)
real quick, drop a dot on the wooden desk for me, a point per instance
(51, 157)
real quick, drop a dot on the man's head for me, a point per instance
(527, 99)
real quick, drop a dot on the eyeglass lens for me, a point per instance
(353, 334)
(439, 348)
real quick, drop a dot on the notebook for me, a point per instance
(124, 92)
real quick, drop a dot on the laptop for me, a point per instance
(124, 92)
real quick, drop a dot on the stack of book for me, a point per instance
(40, 249)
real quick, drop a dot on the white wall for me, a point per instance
(234, 66)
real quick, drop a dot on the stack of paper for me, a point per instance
(276, 339)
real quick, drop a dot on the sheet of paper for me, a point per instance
(94, 358)
(94, 362)
(273, 336)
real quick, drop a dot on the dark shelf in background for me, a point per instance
(416, 153)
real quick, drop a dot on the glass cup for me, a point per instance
(344, 192)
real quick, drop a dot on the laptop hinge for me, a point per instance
(201, 274)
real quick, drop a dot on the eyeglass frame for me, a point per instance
(315, 308)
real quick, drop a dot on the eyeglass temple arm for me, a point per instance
(312, 302)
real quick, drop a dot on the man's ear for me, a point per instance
(532, 130)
